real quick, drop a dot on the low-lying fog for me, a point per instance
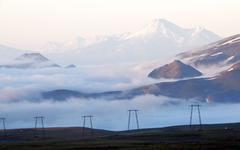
(22, 85)
(112, 115)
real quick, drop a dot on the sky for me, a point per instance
(30, 24)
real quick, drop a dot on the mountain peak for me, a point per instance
(178, 62)
(32, 56)
(30, 61)
(160, 28)
(174, 70)
(161, 21)
(162, 25)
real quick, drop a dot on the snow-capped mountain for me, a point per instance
(29, 61)
(164, 29)
(157, 40)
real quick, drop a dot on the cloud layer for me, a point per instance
(19, 88)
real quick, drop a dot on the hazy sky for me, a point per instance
(31, 23)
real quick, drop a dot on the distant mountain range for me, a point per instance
(160, 39)
(157, 40)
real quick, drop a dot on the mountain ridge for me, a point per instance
(222, 52)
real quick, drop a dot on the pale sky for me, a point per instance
(29, 24)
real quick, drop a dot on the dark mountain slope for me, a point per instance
(174, 70)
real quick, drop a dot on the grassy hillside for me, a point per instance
(218, 136)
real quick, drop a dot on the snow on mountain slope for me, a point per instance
(158, 40)
(223, 52)
(162, 28)
(215, 57)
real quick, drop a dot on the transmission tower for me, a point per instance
(134, 111)
(84, 124)
(41, 119)
(3, 126)
(199, 114)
